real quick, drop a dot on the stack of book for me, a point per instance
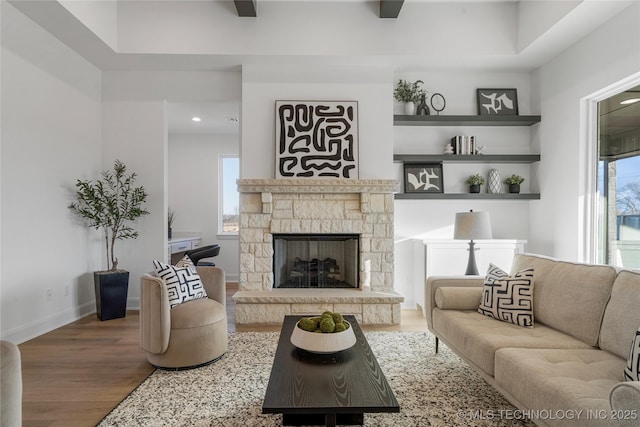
(462, 144)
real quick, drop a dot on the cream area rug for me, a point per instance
(432, 389)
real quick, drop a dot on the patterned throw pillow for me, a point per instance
(183, 284)
(632, 371)
(186, 262)
(508, 298)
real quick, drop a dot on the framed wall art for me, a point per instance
(423, 178)
(317, 139)
(501, 102)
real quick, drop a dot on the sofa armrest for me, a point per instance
(214, 282)
(155, 316)
(626, 396)
(458, 298)
(11, 390)
(435, 282)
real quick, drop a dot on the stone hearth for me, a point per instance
(316, 206)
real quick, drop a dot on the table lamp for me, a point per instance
(472, 226)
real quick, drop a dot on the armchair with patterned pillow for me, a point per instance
(183, 319)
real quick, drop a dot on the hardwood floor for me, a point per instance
(75, 375)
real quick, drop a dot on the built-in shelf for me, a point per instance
(478, 158)
(403, 120)
(481, 196)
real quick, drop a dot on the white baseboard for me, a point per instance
(46, 324)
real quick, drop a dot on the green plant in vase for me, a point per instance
(109, 205)
(409, 93)
(474, 182)
(514, 182)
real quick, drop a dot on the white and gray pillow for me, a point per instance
(632, 370)
(183, 283)
(508, 298)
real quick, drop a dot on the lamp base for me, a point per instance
(472, 267)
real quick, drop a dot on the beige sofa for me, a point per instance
(568, 369)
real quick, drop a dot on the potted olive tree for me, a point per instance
(109, 204)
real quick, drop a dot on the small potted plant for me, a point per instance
(474, 182)
(514, 182)
(110, 204)
(409, 94)
(171, 217)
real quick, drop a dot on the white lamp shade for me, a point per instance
(472, 226)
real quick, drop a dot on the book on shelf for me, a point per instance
(464, 145)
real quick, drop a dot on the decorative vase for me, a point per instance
(111, 293)
(409, 108)
(494, 186)
(514, 188)
(422, 109)
(474, 188)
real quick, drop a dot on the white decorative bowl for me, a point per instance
(317, 342)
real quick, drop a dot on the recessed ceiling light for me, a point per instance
(629, 101)
(196, 119)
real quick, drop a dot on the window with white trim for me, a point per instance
(229, 198)
(619, 180)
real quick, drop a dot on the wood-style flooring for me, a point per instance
(76, 374)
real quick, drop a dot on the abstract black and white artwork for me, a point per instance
(317, 139)
(501, 102)
(423, 178)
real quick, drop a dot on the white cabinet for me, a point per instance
(182, 242)
(449, 258)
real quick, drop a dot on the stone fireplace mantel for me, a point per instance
(316, 206)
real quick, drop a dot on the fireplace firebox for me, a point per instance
(316, 260)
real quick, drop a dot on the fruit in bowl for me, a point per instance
(328, 333)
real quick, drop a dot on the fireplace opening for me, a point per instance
(316, 260)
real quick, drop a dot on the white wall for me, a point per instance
(193, 192)
(135, 131)
(606, 56)
(370, 86)
(51, 106)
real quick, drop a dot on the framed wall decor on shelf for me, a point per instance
(423, 178)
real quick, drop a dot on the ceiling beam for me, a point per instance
(390, 8)
(246, 8)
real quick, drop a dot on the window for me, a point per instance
(229, 203)
(619, 180)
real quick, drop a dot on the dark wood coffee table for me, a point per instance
(325, 389)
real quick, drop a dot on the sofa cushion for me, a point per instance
(458, 298)
(569, 297)
(183, 284)
(478, 337)
(197, 313)
(563, 382)
(622, 316)
(632, 370)
(508, 298)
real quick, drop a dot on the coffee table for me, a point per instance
(325, 389)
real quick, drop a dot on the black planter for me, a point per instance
(474, 188)
(111, 293)
(514, 188)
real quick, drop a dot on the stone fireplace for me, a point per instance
(313, 207)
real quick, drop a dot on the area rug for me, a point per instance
(432, 389)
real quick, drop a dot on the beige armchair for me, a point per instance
(190, 334)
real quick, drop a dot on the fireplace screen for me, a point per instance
(316, 260)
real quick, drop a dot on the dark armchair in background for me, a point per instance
(204, 252)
